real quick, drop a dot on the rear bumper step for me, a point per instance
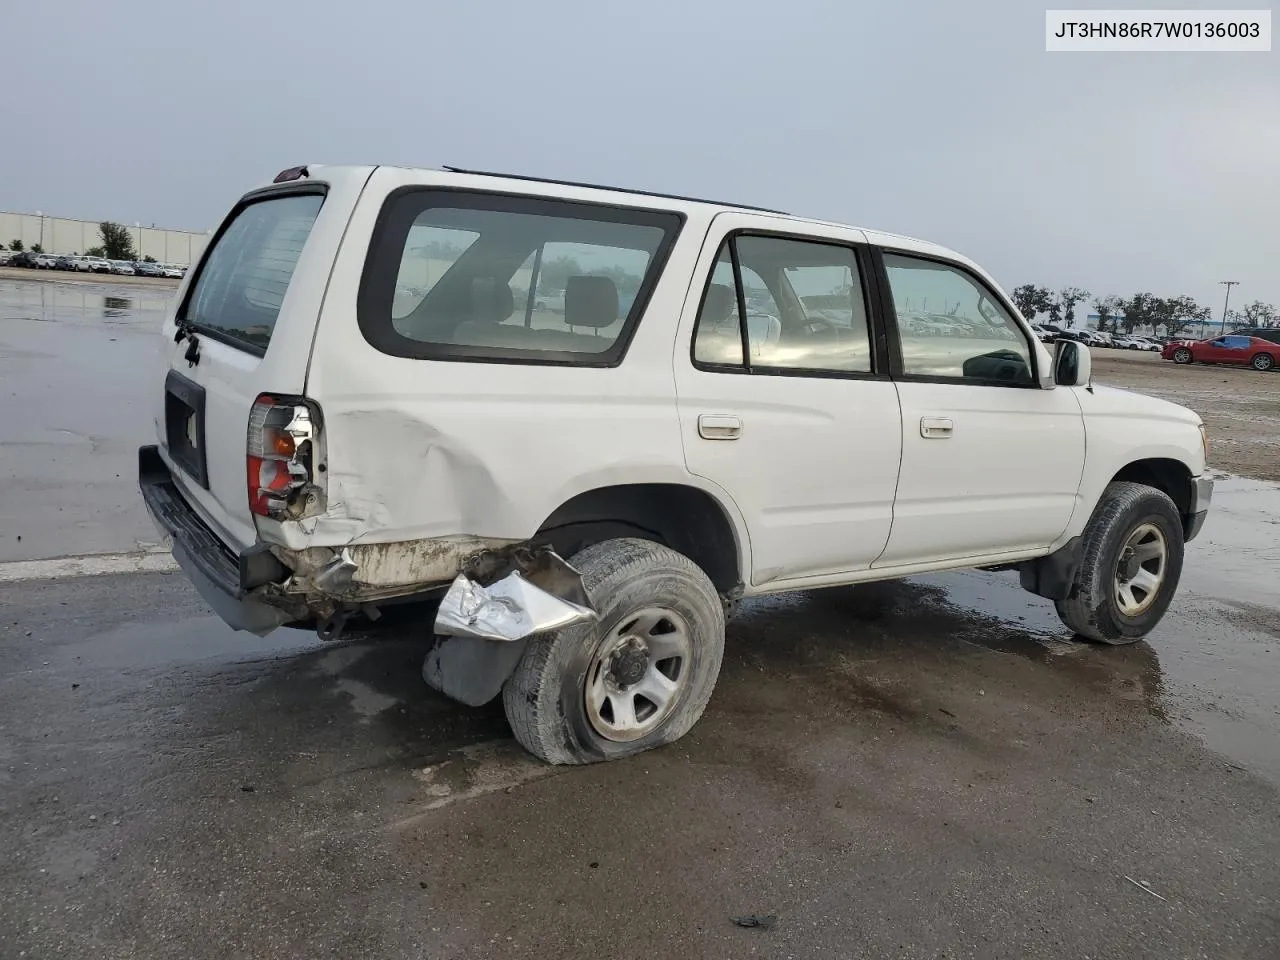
(224, 578)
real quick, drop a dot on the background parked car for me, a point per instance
(144, 269)
(23, 258)
(1243, 351)
(122, 268)
(1262, 333)
(173, 272)
(45, 261)
(65, 263)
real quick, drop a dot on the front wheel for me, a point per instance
(1263, 361)
(1131, 561)
(1182, 355)
(639, 677)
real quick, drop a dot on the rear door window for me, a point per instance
(242, 281)
(456, 275)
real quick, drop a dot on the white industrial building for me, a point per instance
(59, 235)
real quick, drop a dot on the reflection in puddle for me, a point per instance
(116, 306)
(76, 302)
(1209, 668)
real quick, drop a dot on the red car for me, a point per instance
(1252, 351)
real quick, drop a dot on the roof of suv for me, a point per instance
(546, 186)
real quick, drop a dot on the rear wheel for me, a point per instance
(1263, 361)
(639, 677)
(1130, 565)
(1182, 355)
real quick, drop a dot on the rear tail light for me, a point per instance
(283, 460)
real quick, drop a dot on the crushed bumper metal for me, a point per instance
(543, 593)
(224, 578)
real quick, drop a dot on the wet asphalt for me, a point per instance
(78, 360)
(930, 768)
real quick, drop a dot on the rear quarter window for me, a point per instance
(242, 281)
(475, 276)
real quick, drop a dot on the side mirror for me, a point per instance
(1072, 364)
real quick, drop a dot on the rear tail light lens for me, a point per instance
(283, 459)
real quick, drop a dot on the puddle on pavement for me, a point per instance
(1212, 666)
(79, 364)
(146, 645)
(79, 302)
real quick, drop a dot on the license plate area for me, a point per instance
(184, 426)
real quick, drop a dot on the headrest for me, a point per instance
(590, 302)
(491, 300)
(720, 303)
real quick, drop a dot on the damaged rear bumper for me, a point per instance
(501, 591)
(224, 578)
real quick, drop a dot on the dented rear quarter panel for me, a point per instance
(421, 449)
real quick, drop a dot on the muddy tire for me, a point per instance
(1262, 361)
(1130, 564)
(1182, 355)
(638, 678)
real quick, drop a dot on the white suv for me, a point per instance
(386, 384)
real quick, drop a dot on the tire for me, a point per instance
(1182, 355)
(1262, 361)
(549, 698)
(1128, 514)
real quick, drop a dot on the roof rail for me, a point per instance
(599, 186)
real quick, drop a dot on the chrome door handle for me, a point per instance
(712, 427)
(936, 428)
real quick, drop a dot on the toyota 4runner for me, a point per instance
(581, 423)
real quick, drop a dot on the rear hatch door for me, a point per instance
(242, 325)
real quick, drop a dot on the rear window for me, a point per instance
(458, 275)
(242, 281)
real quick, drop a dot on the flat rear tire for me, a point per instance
(638, 678)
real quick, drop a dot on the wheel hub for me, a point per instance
(638, 674)
(1128, 565)
(628, 665)
(1140, 570)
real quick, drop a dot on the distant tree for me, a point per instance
(1175, 314)
(117, 241)
(1054, 309)
(1032, 300)
(1259, 314)
(1068, 297)
(16, 246)
(148, 259)
(36, 248)
(1106, 308)
(96, 252)
(1139, 311)
(1024, 298)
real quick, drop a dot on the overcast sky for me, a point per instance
(944, 120)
